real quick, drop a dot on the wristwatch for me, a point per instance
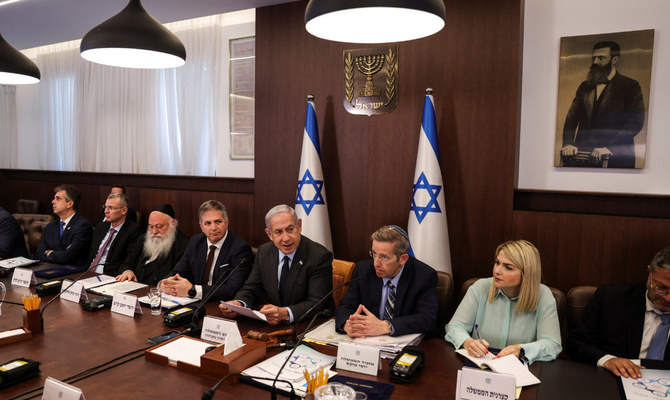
(192, 292)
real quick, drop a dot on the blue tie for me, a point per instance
(660, 339)
(62, 226)
(390, 302)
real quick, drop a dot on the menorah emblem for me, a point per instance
(369, 65)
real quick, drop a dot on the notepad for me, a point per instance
(509, 364)
(120, 287)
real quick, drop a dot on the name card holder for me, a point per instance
(356, 358)
(126, 304)
(57, 390)
(74, 293)
(23, 277)
(216, 365)
(477, 384)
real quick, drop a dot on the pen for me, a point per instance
(98, 276)
(171, 301)
(478, 335)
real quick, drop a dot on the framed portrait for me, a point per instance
(603, 100)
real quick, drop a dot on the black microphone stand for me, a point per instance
(209, 394)
(194, 327)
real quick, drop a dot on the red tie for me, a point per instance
(98, 256)
(208, 266)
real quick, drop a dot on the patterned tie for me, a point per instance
(390, 302)
(98, 256)
(660, 339)
(208, 265)
(283, 277)
(62, 226)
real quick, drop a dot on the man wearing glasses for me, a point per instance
(396, 293)
(626, 324)
(113, 237)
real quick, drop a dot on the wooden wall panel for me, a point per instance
(582, 249)
(473, 67)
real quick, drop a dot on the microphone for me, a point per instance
(209, 394)
(348, 283)
(64, 290)
(194, 326)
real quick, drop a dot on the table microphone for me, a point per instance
(64, 290)
(194, 326)
(209, 394)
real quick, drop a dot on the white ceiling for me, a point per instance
(31, 23)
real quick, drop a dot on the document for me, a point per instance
(247, 312)
(654, 384)
(183, 349)
(118, 287)
(97, 280)
(509, 364)
(168, 302)
(16, 262)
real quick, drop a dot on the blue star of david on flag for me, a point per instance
(432, 191)
(308, 180)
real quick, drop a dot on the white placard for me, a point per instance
(362, 359)
(126, 304)
(476, 384)
(73, 293)
(57, 390)
(23, 277)
(216, 329)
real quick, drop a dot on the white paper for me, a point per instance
(97, 280)
(654, 384)
(509, 364)
(168, 302)
(23, 277)
(16, 262)
(184, 349)
(121, 287)
(233, 342)
(126, 304)
(247, 312)
(216, 329)
(355, 358)
(477, 384)
(57, 390)
(13, 332)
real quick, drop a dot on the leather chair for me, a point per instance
(342, 271)
(25, 206)
(33, 226)
(445, 292)
(578, 298)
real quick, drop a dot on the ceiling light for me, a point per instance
(374, 21)
(15, 67)
(133, 39)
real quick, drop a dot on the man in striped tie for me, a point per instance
(394, 293)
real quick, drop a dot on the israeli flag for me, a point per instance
(310, 203)
(427, 226)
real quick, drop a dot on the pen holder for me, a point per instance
(32, 321)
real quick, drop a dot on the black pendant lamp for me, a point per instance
(374, 21)
(133, 39)
(15, 67)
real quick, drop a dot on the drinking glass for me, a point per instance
(155, 298)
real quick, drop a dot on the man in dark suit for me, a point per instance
(113, 238)
(12, 241)
(154, 255)
(131, 215)
(626, 322)
(67, 239)
(396, 293)
(211, 256)
(606, 113)
(292, 272)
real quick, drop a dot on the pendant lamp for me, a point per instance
(133, 39)
(15, 67)
(374, 21)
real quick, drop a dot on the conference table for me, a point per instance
(75, 340)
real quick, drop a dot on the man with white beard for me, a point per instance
(158, 251)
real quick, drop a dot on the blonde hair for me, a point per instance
(526, 257)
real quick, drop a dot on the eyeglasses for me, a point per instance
(110, 208)
(656, 288)
(383, 259)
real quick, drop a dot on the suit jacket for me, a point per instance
(612, 121)
(613, 322)
(118, 249)
(72, 247)
(12, 241)
(416, 297)
(310, 279)
(153, 272)
(234, 250)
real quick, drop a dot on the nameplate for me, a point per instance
(216, 329)
(73, 293)
(477, 384)
(57, 390)
(126, 304)
(23, 277)
(356, 358)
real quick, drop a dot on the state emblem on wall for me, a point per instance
(371, 80)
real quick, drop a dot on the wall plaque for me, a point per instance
(371, 80)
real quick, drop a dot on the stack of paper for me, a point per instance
(97, 280)
(509, 364)
(388, 345)
(304, 358)
(16, 262)
(168, 302)
(120, 287)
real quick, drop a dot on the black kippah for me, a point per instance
(165, 209)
